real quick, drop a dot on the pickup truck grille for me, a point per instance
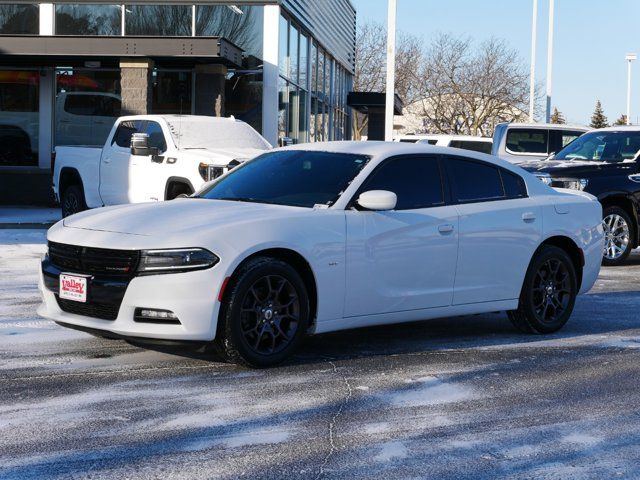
(97, 261)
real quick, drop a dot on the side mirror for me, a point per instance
(378, 200)
(140, 146)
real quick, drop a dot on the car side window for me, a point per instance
(80, 104)
(482, 147)
(527, 140)
(514, 185)
(125, 130)
(474, 180)
(156, 137)
(416, 180)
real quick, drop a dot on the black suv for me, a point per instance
(604, 163)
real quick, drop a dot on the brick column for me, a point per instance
(209, 91)
(135, 84)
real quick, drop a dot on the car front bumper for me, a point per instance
(192, 296)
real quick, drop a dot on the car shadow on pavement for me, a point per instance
(597, 318)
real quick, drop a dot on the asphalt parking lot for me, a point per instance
(457, 398)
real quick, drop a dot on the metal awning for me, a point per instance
(364, 101)
(211, 49)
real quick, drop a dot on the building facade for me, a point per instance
(68, 70)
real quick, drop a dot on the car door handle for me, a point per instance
(106, 160)
(529, 217)
(446, 228)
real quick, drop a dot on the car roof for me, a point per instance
(549, 126)
(474, 138)
(175, 117)
(619, 128)
(378, 149)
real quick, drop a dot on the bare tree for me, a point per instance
(370, 73)
(468, 90)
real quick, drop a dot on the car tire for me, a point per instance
(264, 314)
(72, 200)
(619, 232)
(548, 293)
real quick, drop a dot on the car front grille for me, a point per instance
(96, 261)
(95, 310)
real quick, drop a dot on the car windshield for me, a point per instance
(601, 146)
(289, 177)
(208, 133)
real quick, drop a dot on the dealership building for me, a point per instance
(68, 70)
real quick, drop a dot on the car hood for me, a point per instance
(168, 218)
(221, 156)
(557, 168)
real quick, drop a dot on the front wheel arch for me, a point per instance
(299, 263)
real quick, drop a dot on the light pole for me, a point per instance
(550, 58)
(629, 57)
(391, 71)
(532, 75)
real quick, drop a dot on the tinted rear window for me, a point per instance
(514, 185)
(474, 181)
(527, 140)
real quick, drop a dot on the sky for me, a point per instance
(591, 39)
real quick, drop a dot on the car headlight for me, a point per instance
(577, 184)
(175, 260)
(544, 178)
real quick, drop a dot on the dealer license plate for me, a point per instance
(73, 287)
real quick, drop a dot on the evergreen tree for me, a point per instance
(598, 119)
(557, 117)
(622, 120)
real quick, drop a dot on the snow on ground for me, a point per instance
(453, 398)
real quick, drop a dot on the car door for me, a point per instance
(403, 259)
(499, 229)
(116, 162)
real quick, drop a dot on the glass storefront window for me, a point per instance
(304, 60)
(283, 45)
(293, 54)
(171, 92)
(303, 116)
(243, 97)
(314, 69)
(19, 117)
(86, 107)
(19, 19)
(158, 20)
(283, 108)
(242, 25)
(88, 19)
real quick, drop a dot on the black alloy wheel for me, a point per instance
(264, 315)
(72, 201)
(548, 293)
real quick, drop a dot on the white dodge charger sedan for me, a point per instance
(324, 237)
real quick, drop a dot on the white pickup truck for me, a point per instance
(169, 155)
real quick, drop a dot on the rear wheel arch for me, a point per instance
(570, 248)
(299, 263)
(69, 176)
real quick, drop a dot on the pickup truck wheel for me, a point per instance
(72, 200)
(548, 293)
(618, 232)
(265, 314)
